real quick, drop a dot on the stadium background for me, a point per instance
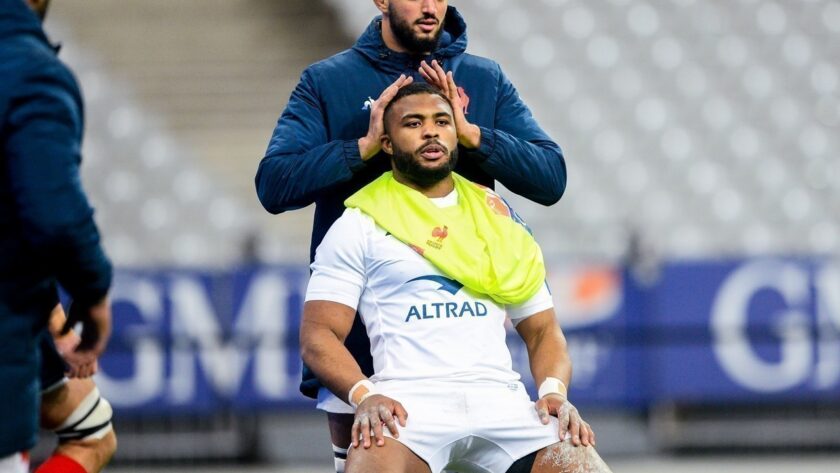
(693, 259)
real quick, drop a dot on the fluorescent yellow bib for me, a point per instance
(480, 242)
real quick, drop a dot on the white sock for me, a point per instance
(339, 458)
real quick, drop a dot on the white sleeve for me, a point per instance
(338, 272)
(537, 303)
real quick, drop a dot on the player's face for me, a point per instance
(417, 24)
(422, 139)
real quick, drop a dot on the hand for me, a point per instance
(96, 329)
(371, 414)
(67, 343)
(469, 135)
(570, 420)
(371, 143)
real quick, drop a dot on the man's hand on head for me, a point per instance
(569, 419)
(371, 143)
(469, 135)
(374, 412)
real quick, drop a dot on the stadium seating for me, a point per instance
(691, 128)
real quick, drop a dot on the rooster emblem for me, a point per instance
(438, 234)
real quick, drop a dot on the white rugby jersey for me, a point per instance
(421, 324)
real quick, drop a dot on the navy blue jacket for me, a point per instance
(47, 233)
(313, 156)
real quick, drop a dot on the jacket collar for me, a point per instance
(453, 42)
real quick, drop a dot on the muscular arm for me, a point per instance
(546, 345)
(300, 163)
(323, 329)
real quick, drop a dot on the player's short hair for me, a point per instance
(415, 88)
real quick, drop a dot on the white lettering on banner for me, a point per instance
(264, 317)
(827, 284)
(797, 361)
(257, 340)
(149, 354)
(259, 330)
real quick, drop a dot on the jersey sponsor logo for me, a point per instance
(446, 310)
(438, 234)
(449, 285)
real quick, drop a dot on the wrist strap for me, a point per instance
(552, 385)
(367, 384)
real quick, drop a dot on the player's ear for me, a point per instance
(387, 145)
(382, 5)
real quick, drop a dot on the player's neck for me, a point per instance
(442, 188)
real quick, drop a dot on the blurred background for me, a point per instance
(693, 260)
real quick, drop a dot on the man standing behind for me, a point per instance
(47, 233)
(327, 141)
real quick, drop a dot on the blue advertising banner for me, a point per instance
(192, 341)
(705, 332)
(754, 330)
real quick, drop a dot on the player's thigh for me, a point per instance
(58, 404)
(393, 457)
(564, 457)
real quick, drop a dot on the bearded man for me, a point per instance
(327, 142)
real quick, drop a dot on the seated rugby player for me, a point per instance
(434, 263)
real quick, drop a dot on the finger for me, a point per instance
(402, 414)
(364, 426)
(438, 69)
(430, 74)
(427, 72)
(563, 417)
(393, 88)
(390, 424)
(377, 430)
(574, 428)
(450, 80)
(441, 78)
(426, 77)
(592, 436)
(389, 93)
(542, 411)
(585, 434)
(354, 433)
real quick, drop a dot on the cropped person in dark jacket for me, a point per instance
(47, 233)
(326, 143)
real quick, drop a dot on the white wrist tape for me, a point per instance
(371, 390)
(552, 386)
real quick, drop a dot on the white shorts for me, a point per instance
(329, 402)
(480, 428)
(16, 463)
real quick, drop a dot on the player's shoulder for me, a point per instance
(335, 64)
(353, 221)
(480, 64)
(29, 62)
